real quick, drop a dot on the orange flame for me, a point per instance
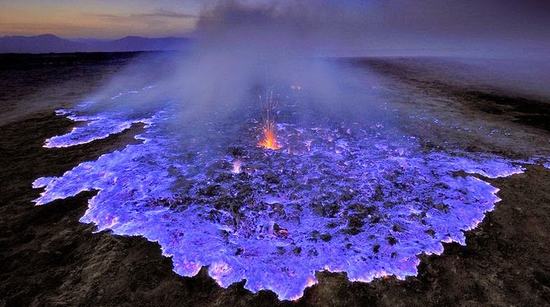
(269, 140)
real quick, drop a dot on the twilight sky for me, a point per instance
(98, 18)
(383, 24)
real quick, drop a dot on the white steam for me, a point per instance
(239, 48)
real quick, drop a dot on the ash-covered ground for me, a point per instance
(360, 197)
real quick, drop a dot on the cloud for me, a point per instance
(154, 23)
(167, 14)
(158, 14)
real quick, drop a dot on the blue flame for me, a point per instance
(363, 201)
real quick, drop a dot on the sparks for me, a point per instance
(269, 139)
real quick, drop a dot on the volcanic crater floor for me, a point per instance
(50, 258)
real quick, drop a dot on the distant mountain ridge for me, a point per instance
(49, 43)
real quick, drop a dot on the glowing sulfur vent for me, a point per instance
(269, 140)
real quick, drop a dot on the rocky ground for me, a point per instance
(48, 258)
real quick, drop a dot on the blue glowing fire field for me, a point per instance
(275, 207)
